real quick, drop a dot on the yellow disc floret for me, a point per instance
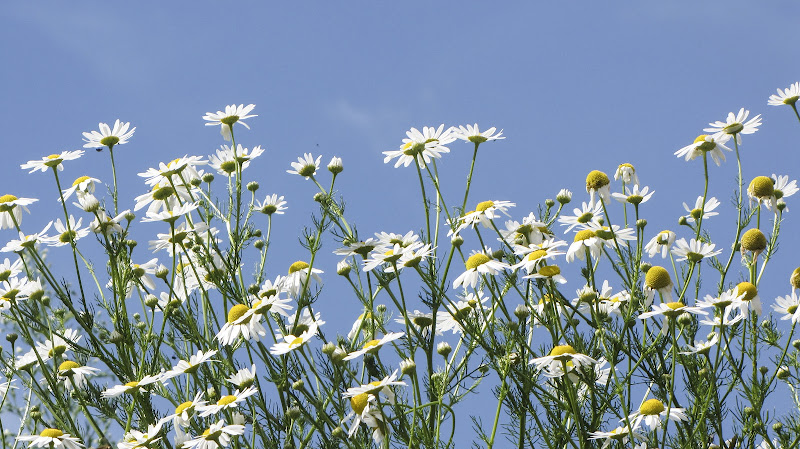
(68, 365)
(761, 187)
(596, 180)
(225, 400)
(549, 271)
(754, 240)
(482, 206)
(359, 402)
(51, 433)
(657, 278)
(584, 235)
(651, 407)
(236, 312)
(476, 260)
(794, 279)
(749, 290)
(561, 350)
(297, 266)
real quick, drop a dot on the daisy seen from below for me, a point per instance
(136, 439)
(73, 375)
(788, 306)
(305, 166)
(190, 366)
(172, 215)
(729, 316)
(652, 411)
(130, 387)
(751, 300)
(82, 185)
(227, 402)
(530, 231)
(694, 251)
(477, 264)
(535, 255)
(217, 435)
(299, 271)
(585, 241)
(185, 410)
(551, 272)
(226, 119)
(702, 347)
(471, 133)
(614, 235)
(621, 433)
(597, 183)
(244, 377)
(725, 299)
(636, 195)
(421, 147)
(272, 204)
(455, 314)
(244, 321)
(228, 161)
(52, 161)
(11, 210)
(108, 136)
(561, 360)
(660, 243)
(782, 187)
(291, 342)
(789, 96)
(185, 168)
(584, 215)
(700, 209)
(735, 125)
(627, 173)
(484, 213)
(762, 191)
(52, 438)
(70, 233)
(365, 411)
(373, 346)
(671, 310)
(376, 387)
(703, 144)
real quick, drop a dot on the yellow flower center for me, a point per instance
(651, 407)
(372, 344)
(794, 279)
(236, 312)
(53, 156)
(132, 384)
(754, 240)
(359, 402)
(562, 349)
(476, 260)
(51, 433)
(584, 235)
(225, 400)
(705, 145)
(585, 217)
(297, 266)
(761, 187)
(596, 180)
(675, 305)
(549, 271)
(67, 365)
(482, 206)
(657, 278)
(183, 407)
(748, 289)
(538, 254)
(7, 198)
(109, 141)
(627, 165)
(229, 120)
(80, 180)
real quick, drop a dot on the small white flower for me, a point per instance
(422, 147)
(652, 411)
(272, 204)
(230, 401)
(471, 133)
(706, 144)
(232, 114)
(627, 173)
(789, 96)
(305, 166)
(374, 345)
(478, 263)
(735, 125)
(694, 251)
(52, 161)
(660, 243)
(700, 209)
(108, 137)
(10, 204)
(52, 438)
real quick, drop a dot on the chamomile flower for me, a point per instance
(694, 251)
(560, 356)
(227, 402)
(788, 306)
(291, 342)
(652, 411)
(377, 387)
(373, 346)
(585, 241)
(305, 166)
(10, 269)
(244, 321)
(73, 375)
(672, 310)
(185, 410)
(68, 234)
(190, 366)
(700, 209)
(52, 161)
(272, 303)
(789, 96)
(130, 387)
(530, 231)
(420, 320)
(597, 183)
(180, 171)
(724, 300)
(81, 185)
(412, 256)
(172, 215)
(584, 215)
(704, 143)
(478, 263)
(551, 272)
(229, 161)
(11, 210)
(751, 300)
(299, 271)
(52, 438)
(232, 114)
(621, 433)
(217, 435)
(702, 347)
(59, 343)
(782, 187)
(762, 190)
(455, 314)
(731, 315)
(657, 279)
(244, 377)
(735, 125)
(628, 174)
(379, 257)
(535, 255)
(421, 147)
(361, 247)
(484, 213)
(387, 240)
(14, 289)
(471, 133)
(660, 243)
(107, 136)
(136, 439)
(612, 236)
(636, 196)
(272, 204)
(365, 410)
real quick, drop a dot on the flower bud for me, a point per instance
(293, 412)
(641, 223)
(408, 367)
(456, 240)
(796, 344)
(208, 178)
(564, 196)
(259, 244)
(320, 197)
(522, 312)
(298, 385)
(794, 279)
(335, 165)
(683, 221)
(763, 370)
(645, 267)
(443, 349)
(253, 289)
(381, 309)
(343, 268)
(780, 205)
(195, 182)
(498, 255)
(12, 337)
(783, 373)
(549, 203)
(162, 272)
(685, 319)
(328, 348)
(151, 301)
(337, 432)
(777, 427)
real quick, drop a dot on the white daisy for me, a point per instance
(172, 215)
(377, 387)
(291, 342)
(725, 299)
(185, 410)
(420, 320)
(68, 234)
(731, 315)
(583, 216)
(299, 271)
(53, 160)
(225, 120)
(106, 224)
(672, 310)
(621, 433)
(702, 347)
(471, 133)
(108, 137)
(217, 435)
(657, 279)
(274, 304)
(751, 300)
(652, 411)
(10, 269)
(52, 438)
(184, 168)
(477, 264)
(789, 96)
(373, 346)
(227, 161)
(244, 321)
(535, 255)
(227, 402)
(552, 272)
(244, 377)
(612, 236)
(636, 195)
(136, 439)
(190, 366)
(530, 231)
(706, 144)
(422, 147)
(272, 204)
(783, 187)
(74, 375)
(10, 204)
(381, 257)
(561, 360)
(455, 314)
(660, 243)
(735, 125)
(597, 183)
(305, 166)
(700, 209)
(585, 240)
(484, 213)
(788, 307)
(81, 185)
(130, 387)
(694, 251)
(628, 174)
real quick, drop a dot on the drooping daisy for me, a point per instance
(365, 411)
(788, 307)
(477, 264)
(81, 185)
(471, 133)
(52, 438)
(361, 248)
(621, 433)
(242, 320)
(232, 114)
(660, 243)
(636, 195)
(107, 136)
(297, 279)
(180, 171)
(130, 387)
(706, 144)
(694, 251)
(10, 204)
(227, 161)
(172, 215)
(597, 183)
(387, 240)
(422, 147)
(657, 279)
(652, 411)
(74, 375)
(227, 402)
(586, 214)
(761, 190)
(377, 387)
(700, 209)
(291, 342)
(751, 300)
(420, 320)
(530, 231)
(702, 347)
(136, 439)
(107, 225)
(551, 272)
(735, 125)
(244, 377)
(190, 366)
(305, 166)
(373, 346)
(585, 241)
(782, 187)
(52, 161)
(561, 360)
(627, 172)
(789, 96)
(412, 256)
(484, 213)
(272, 204)
(217, 435)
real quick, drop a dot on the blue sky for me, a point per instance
(576, 86)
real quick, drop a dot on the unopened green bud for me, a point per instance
(748, 411)
(777, 427)
(381, 309)
(131, 243)
(498, 255)
(151, 301)
(298, 385)
(259, 245)
(549, 203)
(337, 432)
(130, 216)
(12, 337)
(252, 289)
(195, 182)
(683, 221)
(343, 268)
(645, 267)
(208, 178)
(456, 240)
(320, 197)
(641, 223)
(685, 319)
(252, 186)
(522, 312)
(783, 373)
(162, 272)
(141, 325)
(763, 370)
(408, 367)
(36, 415)
(293, 412)
(796, 344)
(328, 348)
(443, 349)
(116, 337)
